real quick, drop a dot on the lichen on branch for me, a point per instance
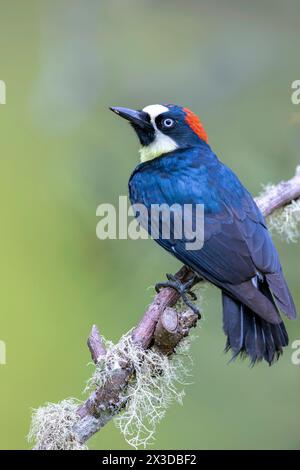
(52, 426)
(136, 380)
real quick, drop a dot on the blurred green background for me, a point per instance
(62, 153)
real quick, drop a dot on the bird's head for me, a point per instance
(163, 128)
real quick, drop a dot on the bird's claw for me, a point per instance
(183, 289)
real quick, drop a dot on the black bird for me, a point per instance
(238, 255)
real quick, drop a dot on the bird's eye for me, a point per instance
(168, 123)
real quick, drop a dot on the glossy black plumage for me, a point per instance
(238, 254)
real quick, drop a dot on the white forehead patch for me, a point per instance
(155, 110)
(162, 143)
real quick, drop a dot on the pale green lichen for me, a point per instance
(52, 426)
(284, 221)
(157, 383)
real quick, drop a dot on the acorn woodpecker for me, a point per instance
(238, 255)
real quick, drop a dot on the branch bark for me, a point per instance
(161, 326)
(280, 195)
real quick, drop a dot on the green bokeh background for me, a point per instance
(62, 153)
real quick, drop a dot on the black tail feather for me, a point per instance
(250, 335)
(277, 284)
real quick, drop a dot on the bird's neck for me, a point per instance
(160, 146)
(157, 150)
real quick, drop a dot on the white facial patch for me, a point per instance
(155, 110)
(162, 143)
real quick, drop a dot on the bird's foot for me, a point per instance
(183, 289)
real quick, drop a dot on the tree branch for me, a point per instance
(161, 326)
(280, 195)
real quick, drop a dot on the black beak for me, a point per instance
(137, 118)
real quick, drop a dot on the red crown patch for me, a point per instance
(195, 124)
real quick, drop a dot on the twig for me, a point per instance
(95, 345)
